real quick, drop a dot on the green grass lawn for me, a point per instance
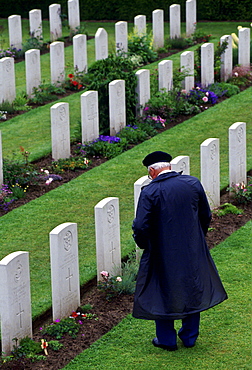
(27, 228)
(225, 332)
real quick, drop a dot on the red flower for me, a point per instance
(79, 86)
(75, 83)
(71, 75)
(74, 314)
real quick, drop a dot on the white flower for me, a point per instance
(119, 279)
(48, 182)
(46, 171)
(236, 74)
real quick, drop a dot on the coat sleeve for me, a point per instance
(141, 224)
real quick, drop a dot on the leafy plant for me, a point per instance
(55, 345)
(116, 285)
(60, 327)
(105, 146)
(27, 348)
(45, 93)
(6, 197)
(133, 134)
(228, 208)
(142, 46)
(70, 164)
(242, 192)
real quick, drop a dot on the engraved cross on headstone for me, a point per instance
(20, 315)
(112, 250)
(241, 163)
(69, 279)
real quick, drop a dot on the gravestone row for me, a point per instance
(15, 303)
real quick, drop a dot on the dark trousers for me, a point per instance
(188, 333)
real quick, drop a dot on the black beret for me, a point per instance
(156, 157)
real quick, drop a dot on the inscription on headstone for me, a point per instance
(15, 303)
(165, 75)
(101, 44)
(15, 31)
(107, 231)
(181, 163)
(7, 80)
(210, 170)
(64, 270)
(142, 89)
(187, 65)
(60, 131)
(207, 64)
(117, 113)
(158, 28)
(140, 24)
(226, 58)
(175, 31)
(89, 116)
(35, 20)
(32, 70)
(57, 62)
(55, 21)
(237, 154)
(121, 36)
(80, 53)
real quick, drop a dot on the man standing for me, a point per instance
(177, 278)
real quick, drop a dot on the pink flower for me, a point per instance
(48, 182)
(119, 279)
(104, 273)
(205, 99)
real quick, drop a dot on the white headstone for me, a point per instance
(158, 28)
(226, 58)
(187, 65)
(35, 20)
(57, 62)
(89, 116)
(143, 181)
(32, 70)
(101, 44)
(121, 37)
(175, 31)
(7, 80)
(55, 21)
(140, 24)
(210, 170)
(117, 106)
(73, 15)
(207, 64)
(165, 75)
(15, 31)
(1, 160)
(15, 303)
(107, 231)
(142, 89)
(237, 154)
(190, 17)
(64, 270)
(60, 131)
(80, 53)
(244, 47)
(181, 163)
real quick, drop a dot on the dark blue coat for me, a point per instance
(177, 275)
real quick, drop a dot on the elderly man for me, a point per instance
(177, 277)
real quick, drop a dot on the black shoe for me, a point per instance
(156, 343)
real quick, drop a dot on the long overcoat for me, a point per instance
(177, 275)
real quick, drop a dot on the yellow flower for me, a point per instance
(239, 27)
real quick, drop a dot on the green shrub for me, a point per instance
(55, 345)
(105, 146)
(141, 46)
(224, 89)
(100, 74)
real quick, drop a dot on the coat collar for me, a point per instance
(166, 175)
